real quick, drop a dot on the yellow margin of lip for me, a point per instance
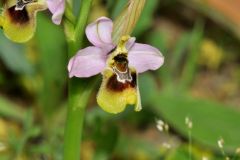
(1, 21)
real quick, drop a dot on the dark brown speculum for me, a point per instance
(114, 85)
(18, 16)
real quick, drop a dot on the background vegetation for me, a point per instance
(199, 80)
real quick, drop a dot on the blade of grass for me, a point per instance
(191, 63)
(179, 50)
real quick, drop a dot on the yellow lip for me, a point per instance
(20, 25)
(114, 96)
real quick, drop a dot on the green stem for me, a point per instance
(190, 144)
(81, 23)
(78, 92)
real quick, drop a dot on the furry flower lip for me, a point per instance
(119, 64)
(18, 18)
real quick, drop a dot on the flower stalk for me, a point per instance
(81, 23)
(79, 91)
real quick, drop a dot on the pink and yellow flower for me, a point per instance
(119, 64)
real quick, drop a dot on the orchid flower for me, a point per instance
(119, 64)
(18, 18)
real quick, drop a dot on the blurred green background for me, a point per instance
(200, 79)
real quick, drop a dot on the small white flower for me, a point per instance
(204, 158)
(2, 146)
(238, 151)
(188, 122)
(160, 122)
(162, 126)
(166, 145)
(220, 143)
(227, 158)
(166, 127)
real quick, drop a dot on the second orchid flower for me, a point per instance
(18, 18)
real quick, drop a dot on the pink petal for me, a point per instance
(87, 62)
(56, 7)
(99, 33)
(144, 57)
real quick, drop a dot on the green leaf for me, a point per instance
(53, 62)
(211, 120)
(133, 147)
(182, 153)
(179, 154)
(179, 50)
(190, 66)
